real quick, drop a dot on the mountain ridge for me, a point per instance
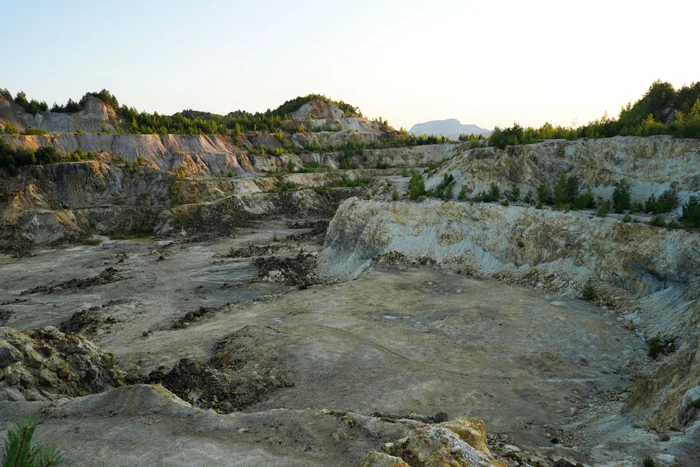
(450, 127)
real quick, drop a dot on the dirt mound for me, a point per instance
(295, 271)
(46, 364)
(107, 276)
(245, 369)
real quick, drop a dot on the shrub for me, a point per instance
(544, 193)
(690, 216)
(444, 189)
(395, 195)
(381, 164)
(47, 155)
(604, 209)
(621, 196)
(416, 186)
(584, 201)
(515, 193)
(462, 195)
(649, 462)
(589, 292)
(636, 207)
(669, 200)
(657, 346)
(627, 218)
(232, 252)
(290, 165)
(405, 173)
(529, 198)
(658, 221)
(19, 451)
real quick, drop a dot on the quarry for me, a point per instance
(257, 299)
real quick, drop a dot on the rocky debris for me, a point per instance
(244, 369)
(192, 316)
(257, 250)
(394, 258)
(460, 442)
(107, 276)
(46, 364)
(690, 407)
(439, 417)
(294, 271)
(88, 322)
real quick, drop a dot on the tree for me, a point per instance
(19, 451)
(416, 186)
(621, 197)
(47, 155)
(690, 216)
(544, 193)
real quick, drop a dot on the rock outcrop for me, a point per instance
(458, 443)
(95, 116)
(649, 164)
(47, 364)
(486, 239)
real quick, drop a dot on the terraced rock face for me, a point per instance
(487, 239)
(648, 164)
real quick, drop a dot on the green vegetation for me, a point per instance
(589, 292)
(444, 190)
(232, 252)
(604, 209)
(658, 346)
(690, 216)
(658, 221)
(493, 195)
(462, 195)
(395, 195)
(30, 106)
(621, 197)
(662, 110)
(353, 183)
(281, 185)
(649, 462)
(12, 158)
(667, 202)
(19, 451)
(416, 186)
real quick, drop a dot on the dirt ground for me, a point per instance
(395, 340)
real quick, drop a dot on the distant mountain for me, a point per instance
(451, 128)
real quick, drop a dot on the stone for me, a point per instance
(382, 459)
(8, 356)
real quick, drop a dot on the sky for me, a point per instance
(488, 62)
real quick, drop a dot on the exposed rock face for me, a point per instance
(648, 164)
(460, 442)
(47, 364)
(325, 114)
(95, 116)
(484, 239)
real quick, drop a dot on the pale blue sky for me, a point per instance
(487, 62)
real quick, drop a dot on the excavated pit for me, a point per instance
(270, 307)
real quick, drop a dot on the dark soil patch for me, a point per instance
(107, 276)
(294, 271)
(244, 370)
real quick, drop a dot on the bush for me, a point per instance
(544, 193)
(290, 165)
(515, 193)
(381, 164)
(621, 197)
(657, 346)
(589, 292)
(658, 221)
(462, 195)
(649, 462)
(405, 173)
(627, 218)
(395, 195)
(416, 186)
(604, 209)
(529, 198)
(584, 201)
(690, 216)
(19, 451)
(444, 189)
